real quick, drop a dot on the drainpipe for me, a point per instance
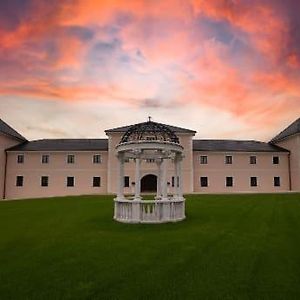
(290, 176)
(5, 172)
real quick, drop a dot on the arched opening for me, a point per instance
(149, 183)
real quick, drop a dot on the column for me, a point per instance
(158, 192)
(164, 186)
(137, 195)
(179, 176)
(176, 181)
(120, 194)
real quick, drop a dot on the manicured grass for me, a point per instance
(229, 247)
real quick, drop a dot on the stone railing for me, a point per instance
(149, 211)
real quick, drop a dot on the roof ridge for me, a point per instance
(8, 130)
(290, 130)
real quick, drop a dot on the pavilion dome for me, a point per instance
(149, 131)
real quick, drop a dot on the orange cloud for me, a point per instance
(266, 28)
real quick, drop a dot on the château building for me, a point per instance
(57, 167)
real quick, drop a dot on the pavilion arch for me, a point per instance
(149, 183)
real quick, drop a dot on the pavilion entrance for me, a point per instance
(149, 183)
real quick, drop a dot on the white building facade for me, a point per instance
(59, 167)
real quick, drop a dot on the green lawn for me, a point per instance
(229, 247)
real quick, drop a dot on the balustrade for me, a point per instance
(152, 211)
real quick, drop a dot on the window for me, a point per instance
(70, 181)
(203, 159)
(228, 159)
(19, 180)
(150, 160)
(173, 181)
(97, 159)
(229, 181)
(275, 160)
(20, 158)
(253, 181)
(253, 160)
(276, 181)
(45, 159)
(126, 181)
(204, 181)
(96, 181)
(71, 159)
(44, 180)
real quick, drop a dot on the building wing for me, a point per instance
(292, 129)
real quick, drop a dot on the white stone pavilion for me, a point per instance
(154, 141)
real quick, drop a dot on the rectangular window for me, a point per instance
(19, 181)
(71, 159)
(253, 160)
(275, 160)
(96, 181)
(45, 159)
(70, 181)
(203, 159)
(173, 181)
(44, 180)
(204, 181)
(228, 159)
(229, 181)
(97, 159)
(253, 181)
(276, 181)
(20, 158)
(126, 181)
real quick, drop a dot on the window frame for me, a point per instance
(205, 178)
(67, 183)
(252, 157)
(203, 159)
(232, 181)
(274, 159)
(96, 161)
(45, 161)
(126, 181)
(71, 161)
(46, 183)
(230, 161)
(94, 181)
(276, 181)
(20, 161)
(255, 181)
(20, 184)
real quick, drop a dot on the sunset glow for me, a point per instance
(225, 68)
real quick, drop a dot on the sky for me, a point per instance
(225, 68)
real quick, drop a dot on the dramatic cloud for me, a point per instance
(236, 59)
